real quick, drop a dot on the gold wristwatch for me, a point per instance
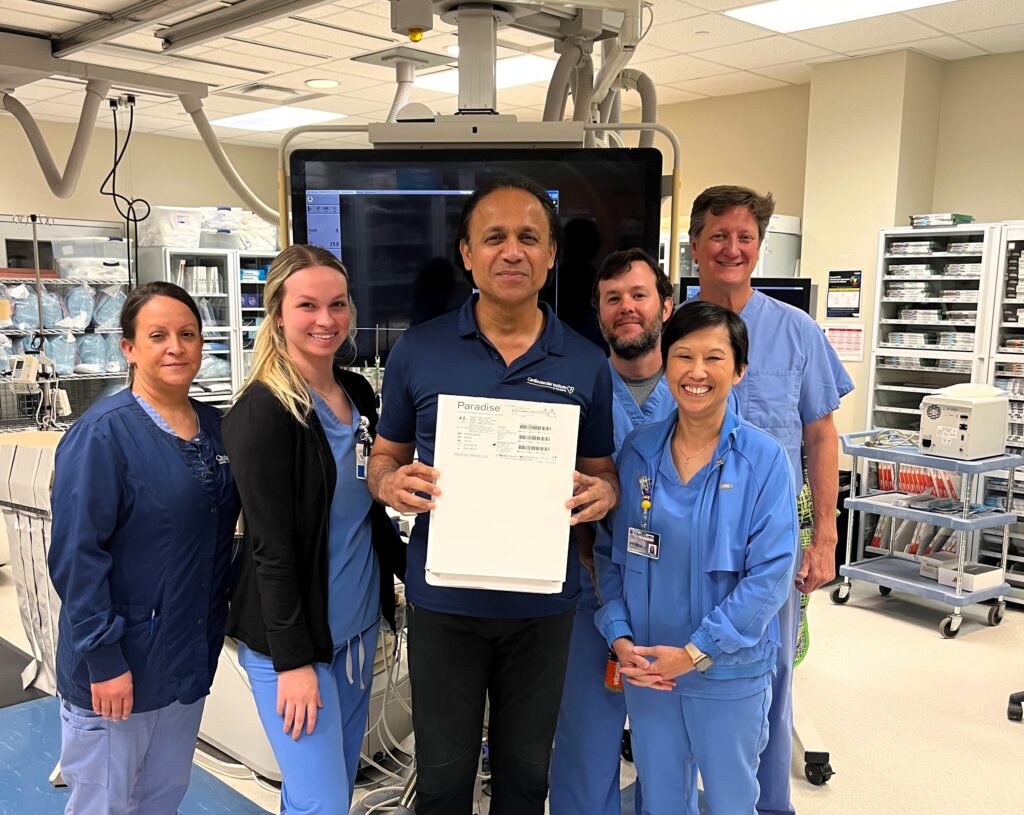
(701, 661)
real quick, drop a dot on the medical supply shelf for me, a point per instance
(211, 277)
(899, 571)
(251, 296)
(933, 316)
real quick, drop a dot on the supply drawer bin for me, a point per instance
(89, 247)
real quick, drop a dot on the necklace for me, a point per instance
(325, 396)
(687, 459)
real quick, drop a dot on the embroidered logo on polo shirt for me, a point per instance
(551, 386)
(725, 485)
(223, 460)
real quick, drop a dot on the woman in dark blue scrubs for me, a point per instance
(320, 556)
(692, 579)
(144, 512)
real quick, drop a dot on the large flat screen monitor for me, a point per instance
(391, 216)
(793, 290)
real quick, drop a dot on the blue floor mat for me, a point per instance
(30, 747)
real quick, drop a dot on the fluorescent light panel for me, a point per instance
(280, 118)
(785, 16)
(522, 69)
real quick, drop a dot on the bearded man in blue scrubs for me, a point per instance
(633, 298)
(792, 387)
(466, 645)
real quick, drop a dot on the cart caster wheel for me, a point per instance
(885, 591)
(946, 628)
(995, 614)
(839, 597)
(818, 774)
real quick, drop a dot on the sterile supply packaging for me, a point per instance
(977, 576)
(172, 226)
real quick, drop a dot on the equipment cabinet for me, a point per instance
(896, 570)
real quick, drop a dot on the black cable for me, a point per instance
(129, 213)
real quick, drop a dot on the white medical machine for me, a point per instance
(965, 422)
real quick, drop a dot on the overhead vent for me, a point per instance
(261, 90)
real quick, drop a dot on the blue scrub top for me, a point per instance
(794, 376)
(674, 514)
(627, 415)
(353, 578)
(449, 355)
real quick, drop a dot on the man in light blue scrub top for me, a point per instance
(633, 298)
(792, 386)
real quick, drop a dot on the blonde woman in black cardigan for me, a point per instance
(319, 554)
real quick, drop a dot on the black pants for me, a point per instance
(455, 664)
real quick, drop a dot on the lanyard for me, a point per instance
(645, 499)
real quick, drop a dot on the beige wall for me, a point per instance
(870, 161)
(758, 140)
(980, 158)
(160, 169)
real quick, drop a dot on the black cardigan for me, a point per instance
(286, 476)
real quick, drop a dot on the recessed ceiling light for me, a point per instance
(279, 118)
(452, 49)
(322, 84)
(522, 69)
(785, 16)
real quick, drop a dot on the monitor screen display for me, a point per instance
(391, 216)
(796, 291)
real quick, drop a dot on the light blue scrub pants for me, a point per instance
(319, 770)
(676, 735)
(588, 740)
(139, 765)
(777, 758)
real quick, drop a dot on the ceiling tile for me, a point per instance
(859, 35)
(948, 48)
(970, 15)
(667, 95)
(705, 31)
(350, 105)
(722, 5)
(766, 51)
(328, 70)
(726, 84)
(343, 35)
(34, 21)
(997, 40)
(678, 68)
(330, 47)
(41, 91)
(359, 21)
(796, 73)
(668, 11)
(648, 53)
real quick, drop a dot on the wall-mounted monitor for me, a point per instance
(793, 290)
(391, 216)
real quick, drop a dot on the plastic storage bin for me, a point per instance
(93, 269)
(218, 239)
(90, 247)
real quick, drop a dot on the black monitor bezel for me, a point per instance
(651, 157)
(757, 283)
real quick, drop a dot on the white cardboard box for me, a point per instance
(977, 576)
(932, 562)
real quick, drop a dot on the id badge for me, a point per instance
(644, 543)
(362, 456)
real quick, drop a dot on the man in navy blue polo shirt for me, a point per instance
(465, 645)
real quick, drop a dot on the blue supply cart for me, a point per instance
(897, 571)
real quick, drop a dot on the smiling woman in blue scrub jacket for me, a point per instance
(319, 556)
(144, 512)
(699, 562)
